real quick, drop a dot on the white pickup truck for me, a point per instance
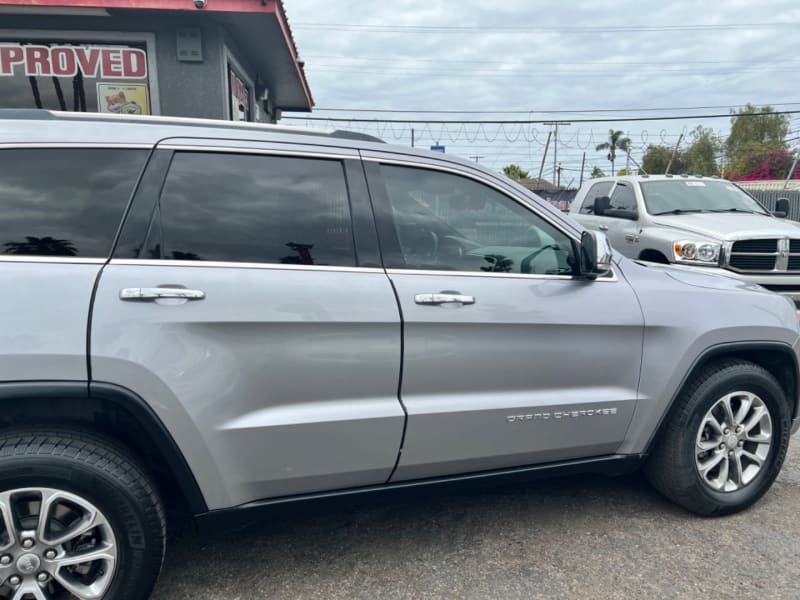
(699, 222)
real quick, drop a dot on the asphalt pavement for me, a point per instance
(578, 537)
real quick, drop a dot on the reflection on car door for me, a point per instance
(509, 359)
(236, 298)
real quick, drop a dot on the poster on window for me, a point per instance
(240, 98)
(123, 98)
(78, 76)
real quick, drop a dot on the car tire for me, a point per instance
(708, 471)
(88, 484)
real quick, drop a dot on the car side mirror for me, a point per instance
(781, 208)
(601, 205)
(596, 254)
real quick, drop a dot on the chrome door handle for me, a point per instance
(160, 292)
(444, 298)
(603, 227)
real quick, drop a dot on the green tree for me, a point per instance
(656, 158)
(765, 128)
(597, 172)
(515, 172)
(701, 156)
(624, 171)
(615, 140)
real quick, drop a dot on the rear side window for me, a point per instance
(596, 191)
(64, 202)
(252, 208)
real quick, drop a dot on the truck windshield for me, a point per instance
(681, 195)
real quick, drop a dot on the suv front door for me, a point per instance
(246, 303)
(509, 359)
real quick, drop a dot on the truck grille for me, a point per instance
(775, 255)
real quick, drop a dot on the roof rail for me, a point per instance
(33, 114)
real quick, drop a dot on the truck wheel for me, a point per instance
(78, 518)
(725, 442)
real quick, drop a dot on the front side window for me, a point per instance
(253, 208)
(596, 191)
(452, 223)
(624, 197)
(64, 201)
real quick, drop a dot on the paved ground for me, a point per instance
(569, 538)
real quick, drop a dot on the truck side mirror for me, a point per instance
(595, 254)
(781, 208)
(601, 204)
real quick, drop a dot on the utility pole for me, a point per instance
(674, 154)
(544, 156)
(477, 158)
(412, 137)
(789, 176)
(583, 165)
(628, 153)
(558, 176)
(555, 125)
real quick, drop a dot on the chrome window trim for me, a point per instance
(432, 273)
(21, 258)
(67, 145)
(146, 262)
(266, 151)
(475, 177)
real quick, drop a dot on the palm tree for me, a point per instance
(615, 140)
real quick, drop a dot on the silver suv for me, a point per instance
(219, 319)
(696, 222)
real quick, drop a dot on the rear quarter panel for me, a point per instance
(44, 308)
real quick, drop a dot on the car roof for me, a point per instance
(36, 126)
(644, 178)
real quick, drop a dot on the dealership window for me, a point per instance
(240, 96)
(76, 75)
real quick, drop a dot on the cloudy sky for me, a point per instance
(518, 55)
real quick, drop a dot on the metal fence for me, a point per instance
(768, 195)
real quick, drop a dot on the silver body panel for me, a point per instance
(279, 382)
(528, 346)
(44, 312)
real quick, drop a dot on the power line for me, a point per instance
(540, 121)
(548, 111)
(426, 29)
(404, 58)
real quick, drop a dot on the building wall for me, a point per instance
(186, 89)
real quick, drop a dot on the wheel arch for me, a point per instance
(653, 255)
(776, 357)
(111, 410)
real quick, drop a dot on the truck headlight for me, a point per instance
(696, 252)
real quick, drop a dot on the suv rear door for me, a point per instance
(508, 359)
(274, 354)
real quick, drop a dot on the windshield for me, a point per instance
(681, 195)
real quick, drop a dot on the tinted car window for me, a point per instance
(623, 198)
(452, 223)
(64, 202)
(597, 190)
(250, 208)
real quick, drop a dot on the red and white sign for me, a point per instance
(106, 62)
